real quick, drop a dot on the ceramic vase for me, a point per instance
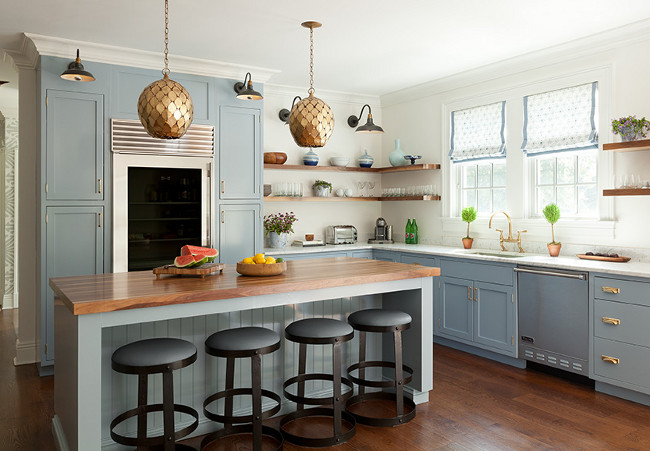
(278, 240)
(467, 243)
(322, 191)
(365, 160)
(554, 249)
(310, 158)
(396, 157)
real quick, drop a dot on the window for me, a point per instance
(483, 186)
(561, 143)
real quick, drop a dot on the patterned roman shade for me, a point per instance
(478, 133)
(561, 120)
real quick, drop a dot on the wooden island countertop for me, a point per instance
(133, 290)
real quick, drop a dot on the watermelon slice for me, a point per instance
(209, 252)
(199, 259)
(184, 261)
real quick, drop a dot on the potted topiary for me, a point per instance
(322, 188)
(552, 215)
(468, 215)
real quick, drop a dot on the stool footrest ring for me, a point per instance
(242, 429)
(409, 407)
(323, 441)
(408, 373)
(315, 401)
(240, 418)
(159, 439)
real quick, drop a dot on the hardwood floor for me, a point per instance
(476, 404)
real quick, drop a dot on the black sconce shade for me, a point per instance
(369, 126)
(76, 71)
(245, 91)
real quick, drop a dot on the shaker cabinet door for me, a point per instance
(74, 147)
(456, 303)
(74, 247)
(494, 312)
(240, 153)
(240, 232)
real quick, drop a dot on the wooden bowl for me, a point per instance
(275, 157)
(273, 269)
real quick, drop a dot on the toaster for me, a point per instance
(340, 234)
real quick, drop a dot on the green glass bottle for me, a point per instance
(407, 235)
(415, 239)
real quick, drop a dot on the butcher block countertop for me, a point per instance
(131, 290)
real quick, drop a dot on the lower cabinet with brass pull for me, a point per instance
(240, 231)
(622, 364)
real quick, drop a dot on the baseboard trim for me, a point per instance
(8, 301)
(60, 441)
(624, 393)
(26, 352)
(517, 363)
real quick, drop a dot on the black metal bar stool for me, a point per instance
(152, 356)
(320, 331)
(242, 342)
(382, 321)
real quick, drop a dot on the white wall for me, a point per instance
(313, 217)
(420, 116)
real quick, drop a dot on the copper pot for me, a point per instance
(275, 157)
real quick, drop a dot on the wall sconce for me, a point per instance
(3, 82)
(369, 126)
(76, 71)
(245, 91)
(284, 113)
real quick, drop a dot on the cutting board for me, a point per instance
(203, 270)
(604, 259)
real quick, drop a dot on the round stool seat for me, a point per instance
(319, 331)
(380, 320)
(153, 355)
(242, 342)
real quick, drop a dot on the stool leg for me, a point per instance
(336, 368)
(256, 369)
(168, 410)
(362, 358)
(143, 380)
(399, 376)
(302, 366)
(230, 380)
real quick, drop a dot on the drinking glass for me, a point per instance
(371, 186)
(361, 186)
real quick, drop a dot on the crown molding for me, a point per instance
(124, 56)
(26, 57)
(290, 92)
(584, 47)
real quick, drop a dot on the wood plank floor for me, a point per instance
(476, 404)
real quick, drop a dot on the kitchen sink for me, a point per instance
(502, 254)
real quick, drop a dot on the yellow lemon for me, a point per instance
(247, 260)
(259, 258)
(269, 260)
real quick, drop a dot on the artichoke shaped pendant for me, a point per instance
(311, 122)
(165, 109)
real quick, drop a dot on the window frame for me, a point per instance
(460, 180)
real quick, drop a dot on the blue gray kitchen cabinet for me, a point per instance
(240, 232)
(303, 256)
(240, 154)
(75, 247)
(362, 254)
(386, 256)
(74, 146)
(476, 305)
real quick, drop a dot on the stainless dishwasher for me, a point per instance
(554, 317)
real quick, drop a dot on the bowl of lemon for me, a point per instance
(260, 265)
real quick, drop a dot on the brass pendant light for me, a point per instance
(165, 107)
(311, 121)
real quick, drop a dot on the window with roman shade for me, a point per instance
(478, 133)
(561, 120)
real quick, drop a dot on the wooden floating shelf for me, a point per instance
(411, 167)
(628, 146)
(345, 199)
(626, 192)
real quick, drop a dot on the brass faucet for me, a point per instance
(510, 239)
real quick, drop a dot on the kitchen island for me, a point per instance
(96, 314)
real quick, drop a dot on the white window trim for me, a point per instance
(519, 183)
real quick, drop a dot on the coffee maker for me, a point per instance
(383, 233)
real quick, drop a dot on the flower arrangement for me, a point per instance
(630, 128)
(279, 222)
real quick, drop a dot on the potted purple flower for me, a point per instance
(278, 226)
(630, 128)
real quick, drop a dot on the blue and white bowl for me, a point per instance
(365, 160)
(310, 158)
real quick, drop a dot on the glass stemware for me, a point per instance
(370, 186)
(361, 186)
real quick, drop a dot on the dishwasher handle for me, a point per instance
(551, 273)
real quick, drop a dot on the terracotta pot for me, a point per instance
(554, 249)
(467, 243)
(275, 157)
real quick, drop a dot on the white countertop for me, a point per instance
(636, 269)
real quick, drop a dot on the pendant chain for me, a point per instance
(166, 69)
(311, 60)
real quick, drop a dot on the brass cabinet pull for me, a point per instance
(100, 185)
(613, 321)
(475, 294)
(611, 290)
(609, 359)
(100, 220)
(223, 186)
(469, 293)
(416, 264)
(223, 216)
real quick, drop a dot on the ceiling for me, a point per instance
(364, 47)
